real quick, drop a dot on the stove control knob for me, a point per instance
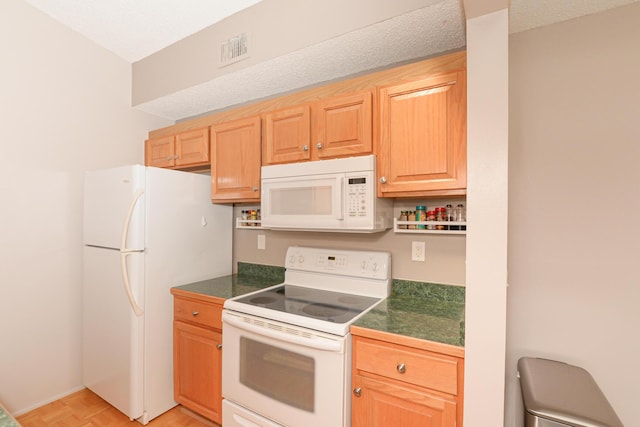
(363, 264)
(292, 259)
(375, 266)
(300, 259)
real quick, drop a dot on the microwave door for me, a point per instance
(303, 202)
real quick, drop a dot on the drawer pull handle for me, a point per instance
(401, 368)
(195, 313)
(219, 346)
(357, 391)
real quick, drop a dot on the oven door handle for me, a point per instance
(317, 344)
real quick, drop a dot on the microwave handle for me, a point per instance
(340, 191)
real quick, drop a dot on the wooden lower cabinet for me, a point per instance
(403, 385)
(197, 356)
(384, 403)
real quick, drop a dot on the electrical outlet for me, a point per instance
(262, 241)
(417, 251)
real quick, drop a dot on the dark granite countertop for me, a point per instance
(427, 311)
(420, 310)
(250, 277)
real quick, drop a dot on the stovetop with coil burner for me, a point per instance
(324, 289)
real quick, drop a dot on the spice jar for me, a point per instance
(403, 217)
(421, 215)
(451, 216)
(431, 216)
(441, 216)
(461, 215)
(411, 216)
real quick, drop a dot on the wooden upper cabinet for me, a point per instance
(423, 137)
(287, 136)
(339, 126)
(192, 147)
(160, 152)
(182, 151)
(235, 163)
(343, 126)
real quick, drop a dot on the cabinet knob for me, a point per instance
(175, 157)
(195, 313)
(169, 158)
(255, 189)
(219, 346)
(319, 145)
(305, 147)
(383, 180)
(357, 391)
(401, 368)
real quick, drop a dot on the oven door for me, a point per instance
(290, 375)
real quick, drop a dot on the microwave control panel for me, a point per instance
(357, 197)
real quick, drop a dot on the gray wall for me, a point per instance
(444, 260)
(574, 238)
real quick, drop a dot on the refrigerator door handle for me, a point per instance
(124, 252)
(127, 286)
(127, 221)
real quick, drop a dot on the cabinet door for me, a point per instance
(343, 126)
(197, 366)
(423, 149)
(287, 136)
(192, 147)
(160, 152)
(383, 404)
(235, 162)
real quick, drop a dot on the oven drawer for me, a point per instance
(414, 366)
(197, 312)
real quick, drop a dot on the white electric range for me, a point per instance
(287, 349)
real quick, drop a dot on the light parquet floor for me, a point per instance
(85, 409)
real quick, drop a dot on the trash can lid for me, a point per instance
(564, 393)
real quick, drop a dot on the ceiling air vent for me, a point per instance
(234, 49)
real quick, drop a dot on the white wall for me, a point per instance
(574, 235)
(64, 108)
(486, 268)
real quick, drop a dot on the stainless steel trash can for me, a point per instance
(557, 394)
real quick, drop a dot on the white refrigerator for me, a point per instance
(145, 230)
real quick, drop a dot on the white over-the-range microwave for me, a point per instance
(336, 195)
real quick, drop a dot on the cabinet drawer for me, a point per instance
(421, 368)
(198, 312)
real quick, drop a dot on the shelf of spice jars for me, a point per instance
(430, 227)
(253, 224)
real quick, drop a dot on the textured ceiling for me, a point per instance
(135, 29)
(413, 35)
